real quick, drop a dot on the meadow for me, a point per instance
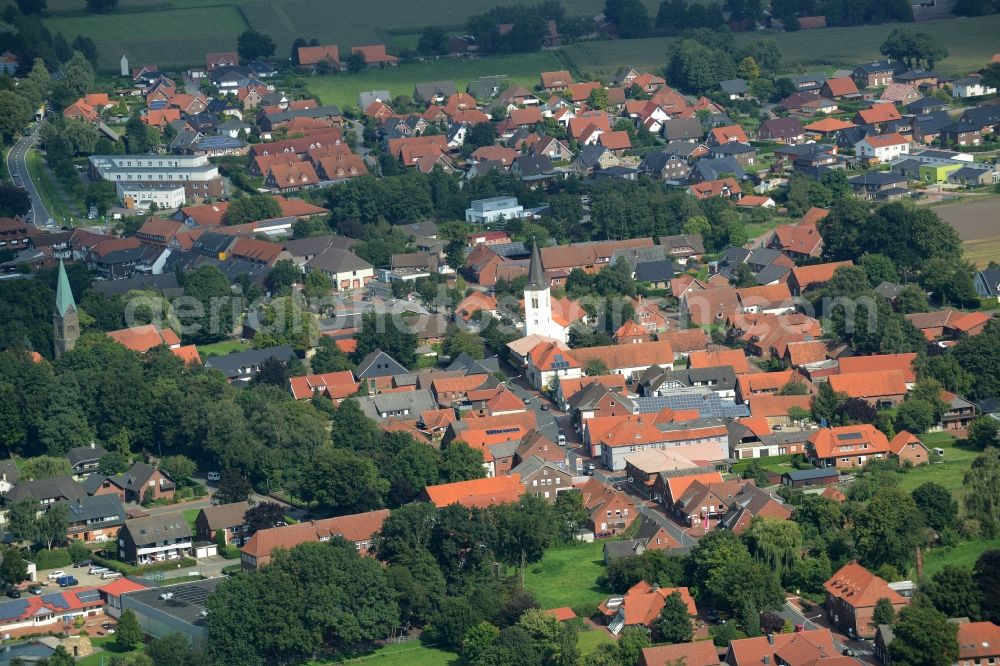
(567, 576)
(343, 89)
(171, 38)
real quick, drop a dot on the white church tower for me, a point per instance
(538, 302)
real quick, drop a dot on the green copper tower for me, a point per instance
(65, 319)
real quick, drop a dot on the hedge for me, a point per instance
(52, 559)
(132, 570)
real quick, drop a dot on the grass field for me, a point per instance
(60, 206)
(109, 653)
(412, 653)
(567, 576)
(170, 38)
(190, 515)
(588, 641)
(970, 43)
(963, 555)
(949, 472)
(343, 89)
(222, 348)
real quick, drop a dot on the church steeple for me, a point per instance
(536, 273)
(65, 319)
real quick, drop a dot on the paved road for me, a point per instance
(17, 167)
(816, 619)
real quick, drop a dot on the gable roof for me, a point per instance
(736, 358)
(697, 653)
(859, 587)
(830, 442)
(477, 492)
(224, 516)
(869, 384)
(355, 527)
(880, 363)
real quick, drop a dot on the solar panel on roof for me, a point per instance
(707, 403)
(849, 435)
(88, 596)
(56, 600)
(12, 609)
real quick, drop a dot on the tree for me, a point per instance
(383, 332)
(915, 415)
(215, 319)
(282, 276)
(113, 462)
(317, 285)
(936, 503)
(14, 201)
(889, 531)
(21, 520)
(826, 403)
(673, 625)
(598, 98)
(758, 473)
(570, 513)
(982, 501)
(433, 41)
(263, 516)
(986, 573)
(984, 431)
(954, 592)
(776, 543)
(454, 620)
(14, 568)
(595, 367)
(179, 468)
(630, 16)
(87, 47)
(253, 45)
(128, 634)
(479, 641)
(251, 208)
(911, 299)
(342, 482)
(923, 636)
(15, 113)
(356, 63)
(45, 467)
(233, 488)
(884, 613)
(748, 69)
(102, 6)
(915, 49)
(101, 195)
(329, 357)
(174, 649)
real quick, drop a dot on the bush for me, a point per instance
(230, 552)
(184, 493)
(198, 490)
(53, 559)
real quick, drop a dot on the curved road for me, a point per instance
(17, 167)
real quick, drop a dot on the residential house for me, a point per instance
(804, 278)
(782, 130)
(978, 643)
(908, 448)
(358, 529)
(847, 446)
(157, 538)
(839, 88)
(698, 653)
(478, 493)
(881, 389)
(85, 459)
(734, 88)
(543, 478)
(244, 366)
(874, 74)
(810, 647)
(346, 270)
(611, 511)
(226, 518)
(877, 184)
(94, 519)
(641, 606)
(375, 55)
(878, 115)
(851, 595)
(555, 81)
(46, 491)
(970, 86)
(882, 148)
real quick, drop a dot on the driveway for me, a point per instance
(17, 167)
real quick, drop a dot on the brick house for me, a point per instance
(851, 595)
(159, 538)
(611, 511)
(133, 485)
(847, 446)
(358, 528)
(229, 518)
(908, 448)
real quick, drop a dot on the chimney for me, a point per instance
(92, 444)
(770, 641)
(767, 657)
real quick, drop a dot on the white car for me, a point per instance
(213, 476)
(56, 574)
(110, 575)
(98, 570)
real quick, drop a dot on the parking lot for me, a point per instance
(86, 579)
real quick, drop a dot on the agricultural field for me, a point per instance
(343, 89)
(171, 38)
(970, 43)
(977, 222)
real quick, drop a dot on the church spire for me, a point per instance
(64, 293)
(536, 274)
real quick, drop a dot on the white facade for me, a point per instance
(139, 168)
(885, 153)
(538, 314)
(961, 90)
(492, 210)
(135, 195)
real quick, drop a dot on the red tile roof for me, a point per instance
(336, 385)
(143, 338)
(729, 134)
(842, 86)
(777, 405)
(859, 587)
(883, 140)
(374, 53)
(312, 55)
(642, 354)
(870, 384)
(698, 653)
(678, 484)
(735, 358)
(477, 492)
(188, 353)
(978, 640)
(831, 442)
(810, 276)
(881, 362)
(561, 614)
(355, 527)
(558, 79)
(802, 238)
(879, 113)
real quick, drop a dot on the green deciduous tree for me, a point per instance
(254, 45)
(128, 634)
(889, 531)
(983, 432)
(937, 504)
(982, 481)
(924, 637)
(251, 208)
(387, 334)
(986, 573)
(884, 612)
(953, 591)
(14, 568)
(673, 625)
(342, 482)
(776, 543)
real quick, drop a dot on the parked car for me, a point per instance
(14, 593)
(213, 476)
(67, 581)
(98, 570)
(34, 589)
(56, 575)
(110, 575)
(83, 563)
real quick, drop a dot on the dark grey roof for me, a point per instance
(57, 487)
(483, 87)
(473, 366)
(925, 104)
(712, 169)
(888, 290)
(504, 449)
(877, 66)
(166, 284)
(434, 88)
(536, 272)
(982, 115)
(589, 155)
(683, 129)
(721, 377)
(316, 112)
(813, 79)
(379, 364)
(771, 273)
(80, 454)
(614, 550)
(533, 165)
(658, 160)
(932, 122)
(783, 127)
(335, 260)
(299, 247)
(232, 365)
(681, 148)
(811, 474)
(733, 148)
(638, 255)
(708, 403)
(413, 402)
(9, 471)
(694, 241)
(654, 271)
(960, 127)
(158, 527)
(988, 282)
(734, 87)
(99, 510)
(876, 178)
(213, 243)
(424, 228)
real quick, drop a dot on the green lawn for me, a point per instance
(779, 464)
(110, 651)
(190, 515)
(588, 641)
(343, 89)
(412, 653)
(949, 472)
(49, 189)
(222, 348)
(567, 576)
(962, 555)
